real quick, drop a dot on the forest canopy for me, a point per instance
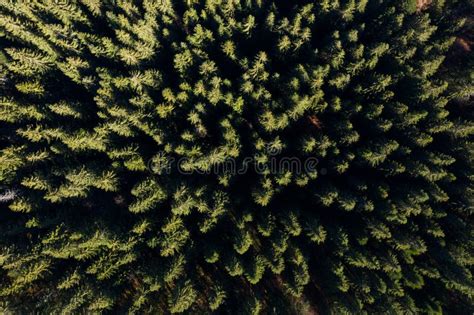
(236, 156)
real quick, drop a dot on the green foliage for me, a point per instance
(118, 118)
(410, 5)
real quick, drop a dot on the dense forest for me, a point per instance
(236, 157)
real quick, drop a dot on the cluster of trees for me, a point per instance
(93, 92)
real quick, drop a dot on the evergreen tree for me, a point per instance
(118, 118)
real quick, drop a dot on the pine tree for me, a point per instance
(148, 150)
